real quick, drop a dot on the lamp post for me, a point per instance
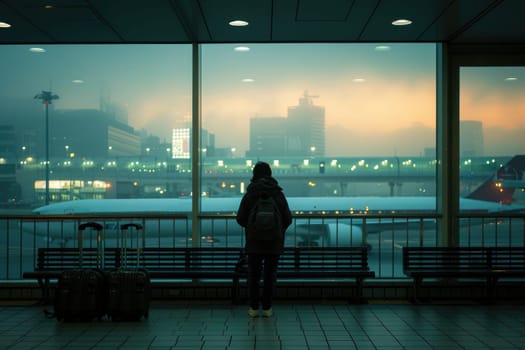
(47, 97)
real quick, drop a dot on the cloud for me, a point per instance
(408, 141)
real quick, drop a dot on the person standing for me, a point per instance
(263, 245)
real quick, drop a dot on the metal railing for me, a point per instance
(385, 234)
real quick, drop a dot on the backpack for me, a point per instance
(264, 221)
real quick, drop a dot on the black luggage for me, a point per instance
(129, 294)
(81, 294)
(129, 288)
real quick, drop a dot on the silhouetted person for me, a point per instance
(265, 215)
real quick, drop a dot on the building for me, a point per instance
(181, 141)
(471, 138)
(7, 143)
(305, 128)
(465, 34)
(92, 134)
(268, 137)
(302, 133)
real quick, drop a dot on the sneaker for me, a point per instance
(267, 313)
(253, 313)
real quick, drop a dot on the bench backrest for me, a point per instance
(507, 258)
(184, 259)
(324, 259)
(210, 259)
(444, 258)
(463, 258)
(69, 258)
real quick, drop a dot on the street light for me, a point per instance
(47, 97)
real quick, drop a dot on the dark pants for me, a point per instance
(265, 265)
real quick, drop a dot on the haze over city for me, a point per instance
(377, 101)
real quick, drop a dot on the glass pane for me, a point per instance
(347, 129)
(341, 120)
(492, 125)
(112, 111)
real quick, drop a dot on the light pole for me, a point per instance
(47, 97)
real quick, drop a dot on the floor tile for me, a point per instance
(294, 326)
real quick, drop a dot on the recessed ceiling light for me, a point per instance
(401, 22)
(248, 80)
(242, 49)
(78, 81)
(49, 7)
(511, 79)
(37, 49)
(382, 48)
(4, 25)
(238, 23)
(358, 80)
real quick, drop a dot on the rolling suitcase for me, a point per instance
(129, 288)
(81, 293)
(80, 296)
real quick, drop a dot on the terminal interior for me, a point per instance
(389, 125)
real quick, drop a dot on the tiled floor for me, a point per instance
(294, 326)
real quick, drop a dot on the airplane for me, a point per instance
(492, 196)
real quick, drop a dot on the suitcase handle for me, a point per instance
(126, 226)
(100, 242)
(124, 255)
(94, 225)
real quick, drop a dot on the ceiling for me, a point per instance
(206, 21)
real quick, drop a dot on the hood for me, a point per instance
(265, 184)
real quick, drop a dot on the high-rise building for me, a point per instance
(181, 141)
(267, 137)
(7, 142)
(91, 133)
(302, 133)
(306, 128)
(471, 138)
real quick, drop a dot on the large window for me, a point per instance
(492, 125)
(114, 112)
(334, 120)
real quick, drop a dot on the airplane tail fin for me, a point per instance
(500, 187)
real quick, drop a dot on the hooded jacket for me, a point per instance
(268, 185)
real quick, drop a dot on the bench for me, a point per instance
(488, 263)
(222, 263)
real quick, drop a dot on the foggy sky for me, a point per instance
(391, 110)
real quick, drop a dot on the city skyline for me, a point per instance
(387, 96)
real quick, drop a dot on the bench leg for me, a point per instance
(359, 290)
(43, 283)
(416, 289)
(491, 288)
(236, 291)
